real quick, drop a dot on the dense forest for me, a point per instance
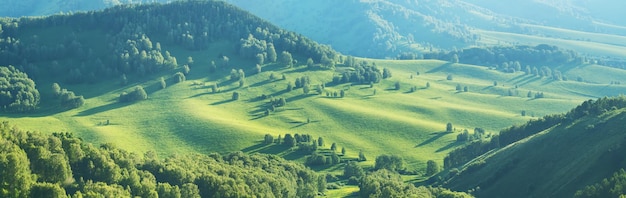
(38, 165)
(121, 43)
(33, 164)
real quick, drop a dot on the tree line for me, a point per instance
(513, 134)
(33, 164)
(127, 48)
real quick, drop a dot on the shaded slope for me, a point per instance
(553, 163)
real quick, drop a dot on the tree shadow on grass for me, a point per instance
(440, 68)
(299, 97)
(432, 139)
(450, 145)
(222, 102)
(103, 108)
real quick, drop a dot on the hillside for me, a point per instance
(580, 150)
(386, 28)
(203, 85)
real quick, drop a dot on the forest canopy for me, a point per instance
(17, 91)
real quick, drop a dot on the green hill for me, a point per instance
(87, 53)
(583, 148)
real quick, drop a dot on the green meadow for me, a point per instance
(188, 117)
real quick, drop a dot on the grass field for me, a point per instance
(188, 117)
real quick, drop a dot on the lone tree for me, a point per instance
(431, 168)
(286, 59)
(235, 95)
(449, 127)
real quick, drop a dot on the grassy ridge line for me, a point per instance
(585, 47)
(579, 35)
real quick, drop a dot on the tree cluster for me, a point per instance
(56, 165)
(137, 94)
(68, 98)
(510, 58)
(386, 183)
(17, 91)
(361, 73)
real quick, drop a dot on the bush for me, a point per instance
(136, 95)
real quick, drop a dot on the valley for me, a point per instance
(161, 84)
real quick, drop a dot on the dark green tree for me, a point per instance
(431, 167)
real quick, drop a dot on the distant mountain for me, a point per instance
(385, 28)
(12, 8)
(576, 150)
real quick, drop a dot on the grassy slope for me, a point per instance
(529, 169)
(187, 118)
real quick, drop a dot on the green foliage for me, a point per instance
(68, 98)
(180, 77)
(136, 95)
(389, 162)
(286, 59)
(385, 183)
(352, 169)
(615, 186)
(431, 167)
(235, 95)
(17, 91)
(106, 171)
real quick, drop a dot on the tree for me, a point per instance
(343, 150)
(310, 63)
(235, 95)
(268, 139)
(260, 59)
(271, 53)
(212, 67)
(362, 156)
(163, 84)
(386, 73)
(495, 83)
(431, 168)
(190, 61)
(123, 80)
(306, 89)
(320, 141)
(333, 147)
(458, 87)
(465, 89)
(289, 140)
(186, 69)
(449, 127)
(455, 58)
(397, 85)
(389, 162)
(258, 68)
(137, 94)
(286, 59)
(449, 77)
(180, 77)
(56, 89)
(342, 93)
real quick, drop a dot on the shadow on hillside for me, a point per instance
(299, 124)
(432, 139)
(222, 102)
(299, 97)
(440, 68)
(265, 82)
(103, 108)
(449, 146)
